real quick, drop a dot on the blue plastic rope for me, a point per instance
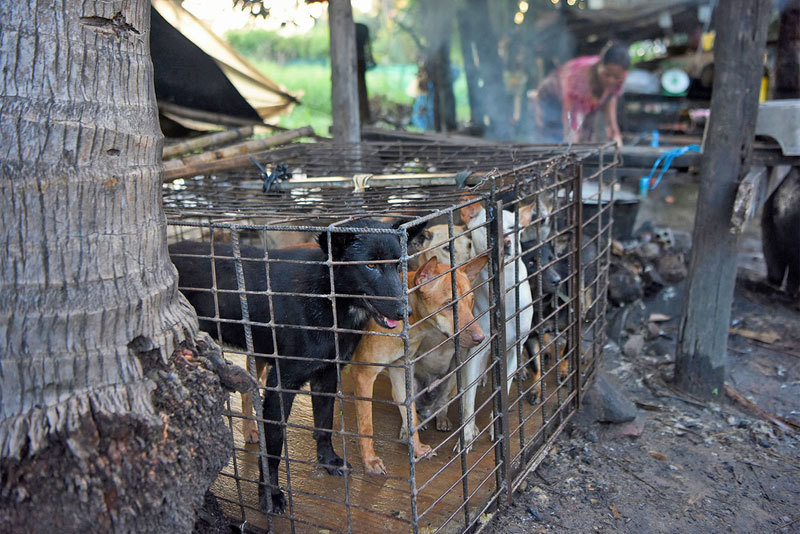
(667, 158)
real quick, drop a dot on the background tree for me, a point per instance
(702, 351)
(489, 102)
(109, 419)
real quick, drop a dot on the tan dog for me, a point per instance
(438, 360)
(436, 243)
(430, 300)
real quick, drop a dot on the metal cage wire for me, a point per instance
(516, 416)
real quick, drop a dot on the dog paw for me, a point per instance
(443, 423)
(271, 502)
(470, 431)
(374, 466)
(533, 398)
(523, 374)
(335, 466)
(249, 431)
(403, 433)
(422, 450)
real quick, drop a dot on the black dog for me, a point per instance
(543, 263)
(540, 261)
(313, 349)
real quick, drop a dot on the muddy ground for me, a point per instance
(683, 465)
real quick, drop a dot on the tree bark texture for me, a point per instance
(787, 60)
(344, 86)
(739, 63)
(93, 404)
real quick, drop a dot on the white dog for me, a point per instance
(475, 217)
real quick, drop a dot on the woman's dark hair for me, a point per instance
(615, 54)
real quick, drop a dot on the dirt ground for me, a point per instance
(683, 465)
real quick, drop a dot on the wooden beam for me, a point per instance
(206, 116)
(739, 64)
(227, 158)
(344, 85)
(216, 138)
(248, 147)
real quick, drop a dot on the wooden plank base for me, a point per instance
(373, 503)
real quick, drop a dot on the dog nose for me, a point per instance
(556, 279)
(478, 337)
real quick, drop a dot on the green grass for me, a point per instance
(314, 81)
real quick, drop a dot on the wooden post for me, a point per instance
(344, 85)
(739, 62)
(494, 110)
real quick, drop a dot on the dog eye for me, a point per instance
(372, 266)
(447, 248)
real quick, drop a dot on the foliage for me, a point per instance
(258, 8)
(270, 46)
(313, 82)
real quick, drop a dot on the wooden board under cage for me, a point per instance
(371, 503)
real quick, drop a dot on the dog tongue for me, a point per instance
(390, 323)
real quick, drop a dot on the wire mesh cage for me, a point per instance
(423, 320)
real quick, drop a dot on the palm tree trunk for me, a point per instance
(90, 314)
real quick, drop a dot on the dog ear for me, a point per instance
(339, 240)
(469, 212)
(427, 272)
(525, 214)
(474, 267)
(413, 232)
(426, 236)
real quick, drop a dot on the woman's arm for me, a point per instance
(612, 127)
(572, 120)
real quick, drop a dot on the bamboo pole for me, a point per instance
(207, 167)
(228, 152)
(207, 116)
(203, 141)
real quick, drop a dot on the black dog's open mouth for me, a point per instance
(379, 317)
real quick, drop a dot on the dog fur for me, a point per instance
(313, 350)
(435, 242)
(475, 217)
(433, 374)
(430, 299)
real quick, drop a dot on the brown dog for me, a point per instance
(431, 314)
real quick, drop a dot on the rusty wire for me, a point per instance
(417, 183)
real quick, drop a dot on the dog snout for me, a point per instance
(477, 338)
(507, 246)
(555, 278)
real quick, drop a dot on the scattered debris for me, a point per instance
(780, 422)
(769, 337)
(634, 345)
